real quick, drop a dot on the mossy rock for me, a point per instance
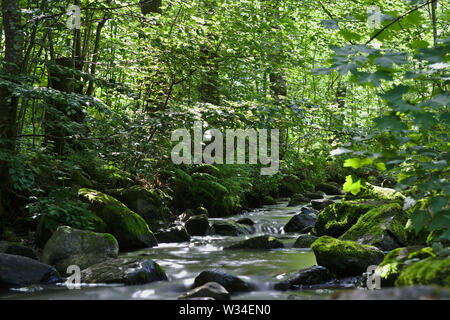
(432, 270)
(18, 249)
(298, 199)
(338, 217)
(231, 228)
(305, 241)
(264, 242)
(377, 193)
(130, 230)
(149, 204)
(268, 200)
(382, 227)
(290, 185)
(390, 268)
(80, 180)
(435, 235)
(345, 258)
(173, 234)
(69, 246)
(197, 225)
(313, 194)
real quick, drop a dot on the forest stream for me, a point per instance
(184, 261)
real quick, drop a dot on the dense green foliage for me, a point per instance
(94, 107)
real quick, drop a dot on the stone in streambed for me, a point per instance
(300, 221)
(304, 241)
(298, 199)
(208, 290)
(329, 189)
(231, 228)
(230, 282)
(246, 221)
(321, 204)
(345, 258)
(305, 278)
(129, 271)
(382, 227)
(197, 225)
(17, 249)
(173, 234)
(258, 243)
(23, 271)
(68, 246)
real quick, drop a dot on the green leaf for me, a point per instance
(437, 203)
(389, 58)
(351, 186)
(424, 120)
(356, 163)
(349, 35)
(440, 220)
(391, 123)
(419, 219)
(374, 78)
(330, 24)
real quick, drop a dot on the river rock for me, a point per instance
(230, 282)
(305, 241)
(429, 271)
(147, 203)
(300, 221)
(313, 194)
(23, 271)
(377, 193)
(208, 290)
(231, 228)
(298, 199)
(173, 234)
(382, 227)
(345, 258)
(258, 243)
(197, 225)
(130, 230)
(16, 248)
(329, 189)
(338, 217)
(129, 271)
(321, 204)
(305, 278)
(68, 246)
(246, 221)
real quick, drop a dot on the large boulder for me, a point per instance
(173, 234)
(305, 241)
(377, 193)
(382, 227)
(128, 270)
(16, 248)
(431, 270)
(231, 228)
(208, 290)
(230, 282)
(337, 218)
(130, 230)
(69, 246)
(264, 242)
(23, 271)
(345, 258)
(305, 278)
(300, 221)
(149, 204)
(198, 225)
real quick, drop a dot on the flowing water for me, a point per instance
(182, 262)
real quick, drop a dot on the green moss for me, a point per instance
(128, 227)
(434, 235)
(345, 257)
(383, 227)
(394, 262)
(377, 193)
(337, 218)
(432, 270)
